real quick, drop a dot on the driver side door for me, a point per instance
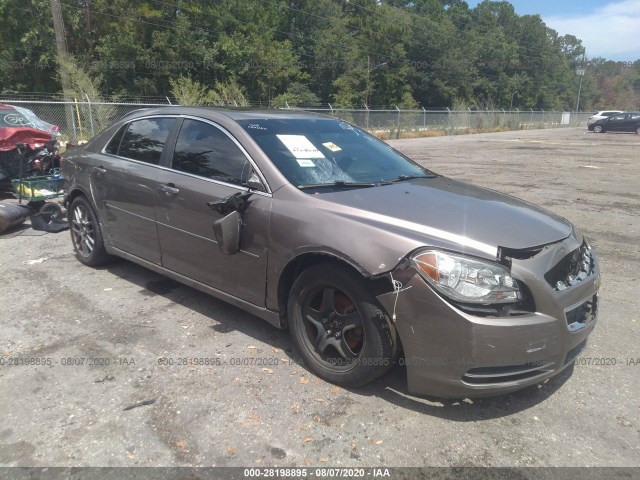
(207, 165)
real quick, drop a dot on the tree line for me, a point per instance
(349, 53)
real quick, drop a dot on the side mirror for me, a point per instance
(228, 228)
(227, 232)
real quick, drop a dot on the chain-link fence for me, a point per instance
(398, 122)
(81, 120)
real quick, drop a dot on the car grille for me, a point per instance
(578, 317)
(506, 374)
(572, 269)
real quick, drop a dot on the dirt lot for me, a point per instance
(123, 318)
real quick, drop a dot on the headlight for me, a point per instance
(467, 280)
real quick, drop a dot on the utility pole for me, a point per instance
(580, 71)
(61, 42)
(63, 56)
(87, 11)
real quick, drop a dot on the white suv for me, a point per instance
(602, 114)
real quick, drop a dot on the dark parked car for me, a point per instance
(620, 122)
(364, 255)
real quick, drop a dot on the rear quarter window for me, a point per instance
(114, 143)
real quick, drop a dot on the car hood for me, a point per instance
(454, 212)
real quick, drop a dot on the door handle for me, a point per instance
(169, 189)
(100, 170)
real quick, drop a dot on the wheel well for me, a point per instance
(71, 197)
(296, 266)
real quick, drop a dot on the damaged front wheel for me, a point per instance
(337, 327)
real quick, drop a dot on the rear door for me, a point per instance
(124, 185)
(207, 165)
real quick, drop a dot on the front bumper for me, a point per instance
(450, 353)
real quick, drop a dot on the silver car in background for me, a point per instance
(365, 256)
(602, 114)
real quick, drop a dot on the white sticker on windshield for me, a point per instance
(300, 146)
(306, 163)
(332, 146)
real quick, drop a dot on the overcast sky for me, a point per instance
(607, 28)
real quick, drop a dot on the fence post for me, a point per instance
(398, 133)
(448, 119)
(168, 100)
(424, 118)
(366, 117)
(90, 115)
(330, 108)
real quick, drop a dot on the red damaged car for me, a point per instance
(21, 126)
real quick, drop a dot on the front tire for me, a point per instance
(86, 234)
(337, 326)
(638, 130)
(598, 129)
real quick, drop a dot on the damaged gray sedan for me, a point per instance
(366, 257)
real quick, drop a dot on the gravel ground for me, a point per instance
(122, 318)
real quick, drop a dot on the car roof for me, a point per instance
(239, 114)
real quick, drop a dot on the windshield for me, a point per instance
(326, 151)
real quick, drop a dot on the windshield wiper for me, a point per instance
(338, 184)
(402, 178)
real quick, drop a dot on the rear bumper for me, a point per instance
(450, 353)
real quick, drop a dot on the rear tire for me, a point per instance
(638, 130)
(86, 234)
(338, 328)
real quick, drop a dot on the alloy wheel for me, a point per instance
(83, 230)
(333, 327)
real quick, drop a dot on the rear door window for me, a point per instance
(144, 139)
(206, 151)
